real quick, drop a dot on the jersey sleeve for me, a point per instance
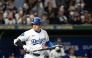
(47, 37)
(23, 37)
(48, 42)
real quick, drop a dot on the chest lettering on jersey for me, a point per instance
(39, 41)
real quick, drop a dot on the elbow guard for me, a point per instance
(18, 43)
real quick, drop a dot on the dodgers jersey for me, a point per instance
(34, 40)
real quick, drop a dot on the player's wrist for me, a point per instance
(24, 47)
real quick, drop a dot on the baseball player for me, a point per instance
(57, 53)
(35, 38)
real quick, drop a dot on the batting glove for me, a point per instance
(27, 49)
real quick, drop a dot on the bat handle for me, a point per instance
(35, 50)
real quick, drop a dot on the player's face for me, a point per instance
(37, 27)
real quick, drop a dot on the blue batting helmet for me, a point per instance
(36, 20)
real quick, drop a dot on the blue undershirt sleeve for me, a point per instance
(49, 44)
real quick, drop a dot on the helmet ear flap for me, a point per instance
(31, 24)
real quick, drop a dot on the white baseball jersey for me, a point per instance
(34, 40)
(55, 54)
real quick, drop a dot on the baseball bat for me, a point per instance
(49, 48)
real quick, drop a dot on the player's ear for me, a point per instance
(40, 25)
(32, 25)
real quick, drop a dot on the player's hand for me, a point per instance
(26, 48)
(31, 51)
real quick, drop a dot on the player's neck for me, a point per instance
(38, 31)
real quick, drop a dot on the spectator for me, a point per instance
(87, 16)
(78, 1)
(61, 17)
(45, 20)
(51, 12)
(71, 9)
(61, 2)
(1, 18)
(10, 19)
(71, 53)
(19, 14)
(58, 52)
(22, 21)
(79, 8)
(76, 14)
(76, 20)
(18, 3)
(83, 20)
(5, 14)
(1, 8)
(90, 53)
(6, 5)
(81, 3)
(71, 13)
(31, 3)
(12, 7)
(85, 56)
(26, 9)
(71, 3)
(41, 4)
(11, 56)
(30, 16)
(21, 54)
(53, 1)
(38, 9)
(1, 2)
(9, 5)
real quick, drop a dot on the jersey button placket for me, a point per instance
(38, 35)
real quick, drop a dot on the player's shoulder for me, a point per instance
(28, 31)
(43, 30)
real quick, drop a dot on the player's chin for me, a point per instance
(37, 28)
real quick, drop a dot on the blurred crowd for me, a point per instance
(21, 12)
